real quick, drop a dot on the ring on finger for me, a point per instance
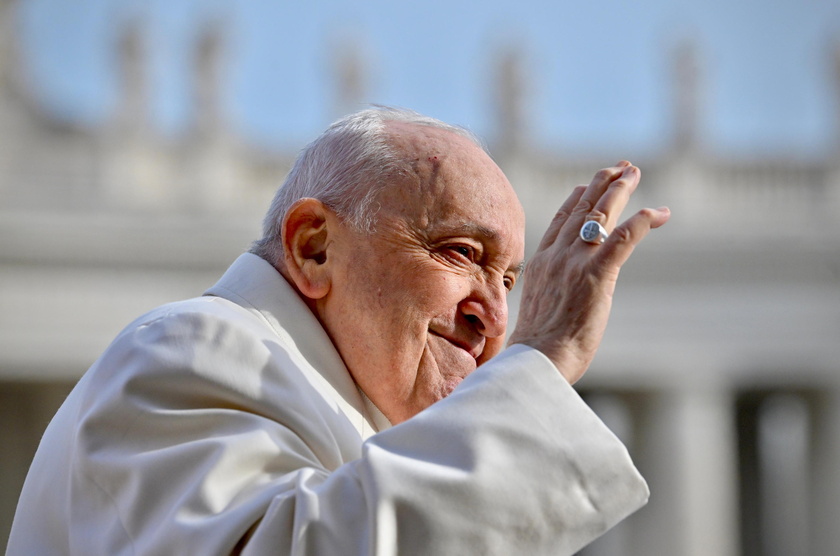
(593, 232)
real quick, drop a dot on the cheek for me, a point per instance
(446, 285)
(394, 312)
(426, 287)
(371, 294)
(400, 301)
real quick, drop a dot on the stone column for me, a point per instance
(687, 452)
(825, 475)
(25, 410)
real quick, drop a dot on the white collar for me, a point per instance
(255, 284)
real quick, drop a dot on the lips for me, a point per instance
(474, 349)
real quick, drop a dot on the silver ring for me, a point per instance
(593, 232)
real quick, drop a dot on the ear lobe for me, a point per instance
(305, 241)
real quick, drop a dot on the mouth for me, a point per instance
(474, 350)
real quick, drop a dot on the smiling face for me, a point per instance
(414, 307)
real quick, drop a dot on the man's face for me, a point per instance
(414, 307)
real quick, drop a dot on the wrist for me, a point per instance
(570, 362)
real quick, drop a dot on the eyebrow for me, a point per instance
(472, 227)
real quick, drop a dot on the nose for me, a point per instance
(486, 307)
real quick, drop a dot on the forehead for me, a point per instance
(449, 182)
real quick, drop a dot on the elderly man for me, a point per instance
(344, 389)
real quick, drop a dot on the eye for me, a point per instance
(509, 282)
(464, 251)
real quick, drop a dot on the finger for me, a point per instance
(609, 207)
(596, 189)
(561, 216)
(620, 244)
(601, 180)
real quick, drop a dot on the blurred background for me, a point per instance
(141, 141)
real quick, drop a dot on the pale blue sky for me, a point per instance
(599, 70)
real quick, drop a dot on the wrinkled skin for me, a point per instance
(568, 293)
(416, 306)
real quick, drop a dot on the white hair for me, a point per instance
(345, 168)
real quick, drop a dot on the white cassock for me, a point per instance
(229, 424)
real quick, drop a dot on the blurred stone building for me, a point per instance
(720, 369)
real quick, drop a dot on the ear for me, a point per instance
(306, 237)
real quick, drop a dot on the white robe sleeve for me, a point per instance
(513, 462)
(172, 447)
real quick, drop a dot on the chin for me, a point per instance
(451, 383)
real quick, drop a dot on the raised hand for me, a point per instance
(569, 283)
